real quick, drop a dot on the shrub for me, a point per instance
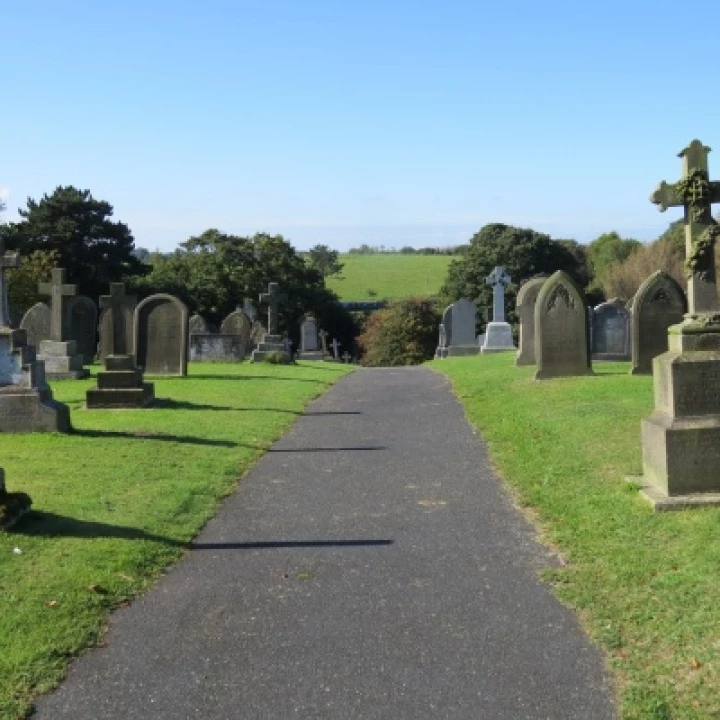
(403, 333)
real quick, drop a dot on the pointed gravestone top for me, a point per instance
(498, 279)
(7, 260)
(58, 290)
(273, 297)
(696, 194)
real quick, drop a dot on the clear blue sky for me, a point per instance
(383, 121)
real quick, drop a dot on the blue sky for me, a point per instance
(386, 122)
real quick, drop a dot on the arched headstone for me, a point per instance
(81, 318)
(459, 320)
(525, 305)
(611, 331)
(161, 335)
(561, 329)
(198, 325)
(237, 323)
(36, 323)
(659, 303)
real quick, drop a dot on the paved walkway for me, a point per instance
(368, 567)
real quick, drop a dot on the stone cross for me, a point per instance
(499, 280)
(323, 341)
(336, 348)
(695, 193)
(58, 290)
(346, 357)
(116, 302)
(7, 260)
(273, 297)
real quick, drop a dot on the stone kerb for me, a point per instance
(562, 347)
(161, 335)
(659, 303)
(525, 305)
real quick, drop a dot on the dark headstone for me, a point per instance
(106, 328)
(525, 305)
(237, 323)
(81, 319)
(611, 331)
(658, 304)
(459, 320)
(36, 323)
(561, 329)
(161, 335)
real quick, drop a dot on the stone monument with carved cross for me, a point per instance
(498, 333)
(272, 342)
(26, 401)
(121, 384)
(681, 438)
(60, 355)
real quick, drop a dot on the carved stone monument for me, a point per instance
(121, 384)
(611, 331)
(36, 324)
(161, 335)
(239, 324)
(309, 346)
(659, 303)
(681, 438)
(271, 341)
(335, 345)
(525, 304)
(459, 320)
(26, 401)
(562, 345)
(498, 333)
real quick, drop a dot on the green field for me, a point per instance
(383, 276)
(117, 500)
(646, 586)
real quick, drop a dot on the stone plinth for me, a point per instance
(62, 361)
(498, 338)
(270, 344)
(681, 439)
(311, 355)
(120, 385)
(26, 401)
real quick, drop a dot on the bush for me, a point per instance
(403, 333)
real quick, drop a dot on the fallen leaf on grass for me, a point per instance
(51, 603)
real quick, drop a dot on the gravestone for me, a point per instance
(239, 324)
(610, 331)
(346, 357)
(59, 353)
(250, 310)
(309, 346)
(26, 401)
(323, 335)
(161, 335)
(36, 324)
(121, 383)
(681, 438)
(105, 327)
(498, 333)
(459, 320)
(213, 347)
(525, 305)
(12, 505)
(335, 345)
(198, 325)
(658, 304)
(562, 348)
(271, 341)
(81, 319)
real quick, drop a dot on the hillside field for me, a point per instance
(389, 275)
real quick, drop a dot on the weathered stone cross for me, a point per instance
(58, 290)
(346, 357)
(499, 280)
(323, 340)
(273, 297)
(336, 348)
(116, 303)
(7, 260)
(696, 194)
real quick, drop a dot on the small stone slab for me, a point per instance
(660, 502)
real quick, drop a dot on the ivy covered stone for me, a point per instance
(699, 258)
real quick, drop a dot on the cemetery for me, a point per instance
(128, 416)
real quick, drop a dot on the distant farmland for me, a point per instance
(389, 275)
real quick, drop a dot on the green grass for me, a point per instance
(646, 586)
(389, 275)
(116, 502)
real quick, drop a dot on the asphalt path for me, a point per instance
(370, 566)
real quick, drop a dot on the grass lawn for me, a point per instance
(646, 586)
(389, 275)
(116, 502)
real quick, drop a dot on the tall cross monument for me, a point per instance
(498, 279)
(7, 260)
(58, 290)
(696, 193)
(273, 297)
(116, 303)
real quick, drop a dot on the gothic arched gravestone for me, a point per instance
(659, 303)
(561, 329)
(525, 304)
(161, 335)
(36, 323)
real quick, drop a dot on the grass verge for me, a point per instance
(646, 586)
(115, 503)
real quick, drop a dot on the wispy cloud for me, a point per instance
(4, 194)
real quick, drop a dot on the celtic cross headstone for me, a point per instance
(696, 193)
(498, 279)
(8, 260)
(58, 290)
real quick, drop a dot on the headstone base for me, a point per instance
(12, 505)
(270, 344)
(696, 333)
(61, 360)
(120, 385)
(663, 503)
(25, 410)
(498, 338)
(441, 353)
(317, 355)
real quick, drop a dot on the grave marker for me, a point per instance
(526, 298)
(611, 331)
(271, 341)
(161, 335)
(498, 333)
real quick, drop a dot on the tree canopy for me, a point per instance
(77, 228)
(324, 260)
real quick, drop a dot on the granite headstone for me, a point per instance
(161, 335)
